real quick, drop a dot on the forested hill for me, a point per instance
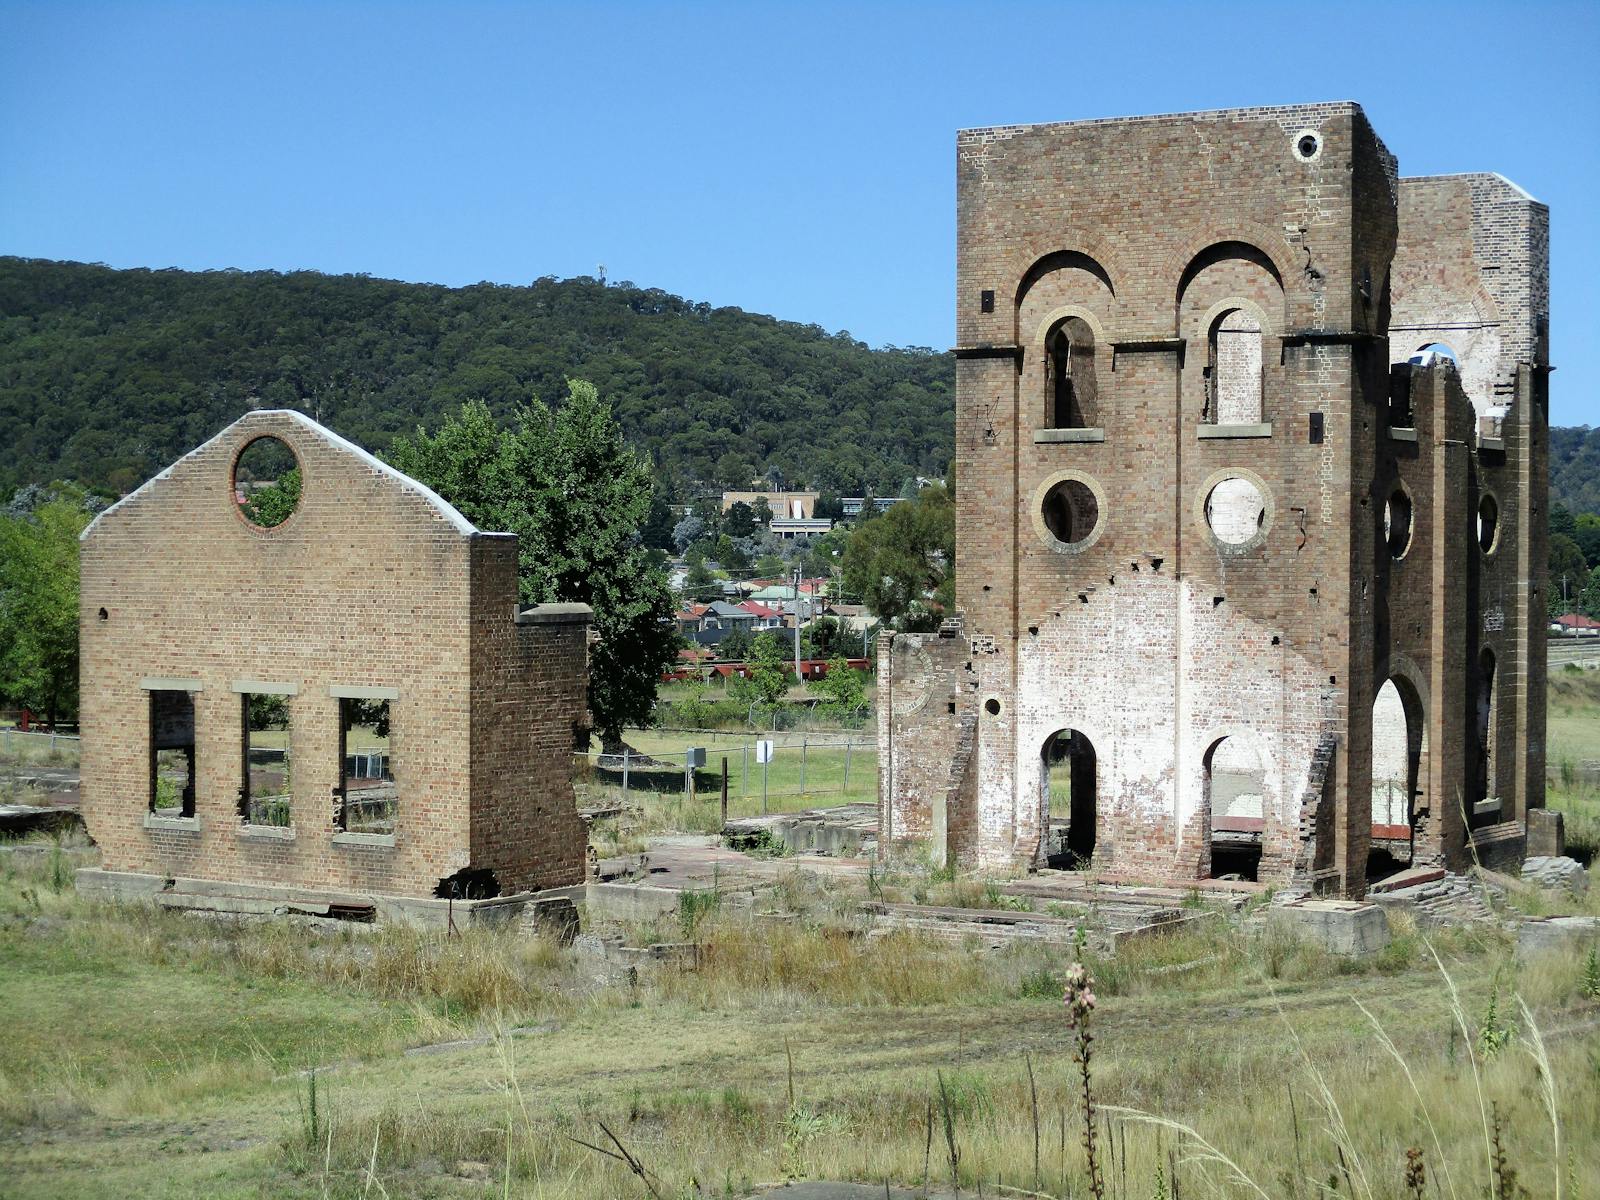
(1575, 468)
(106, 376)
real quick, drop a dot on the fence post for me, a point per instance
(724, 791)
(624, 774)
(805, 741)
(744, 786)
(845, 790)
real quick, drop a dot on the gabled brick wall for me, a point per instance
(373, 582)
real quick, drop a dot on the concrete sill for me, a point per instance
(1492, 443)
(1263, 430)
(171, 824)
(1398, 434)
(1484, 807)
(271, 833)
(364, 839)
(1043, 437)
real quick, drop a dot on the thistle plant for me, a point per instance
(1416, 1173)
(1078, 996)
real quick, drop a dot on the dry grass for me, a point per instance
(801, 1045)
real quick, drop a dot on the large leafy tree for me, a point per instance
(39, 600)
(902, 562)
(576, 497)
(1568, 573)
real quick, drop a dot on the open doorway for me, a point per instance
(1397, 749)
(1235, 807)
(1069, 783)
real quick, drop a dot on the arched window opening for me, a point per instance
(1233, 373)
(1486, 789)
(1488, 523)
(1069, 774)
(1397, 523)
(1397, 737)
(1236, 807)
(1432, 354)
(1071, 390)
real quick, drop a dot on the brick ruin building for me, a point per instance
(1250, 481)
(349, 701)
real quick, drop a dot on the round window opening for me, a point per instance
(1235, 511)
(1307, 145)
(1397, 523)
(266, 482)
(992, 707)
(1488, 523)
(1071, 512)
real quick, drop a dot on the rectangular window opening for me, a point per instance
(368, 800)
(172, 759)
(268, 769)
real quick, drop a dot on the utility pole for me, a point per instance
(797, 674)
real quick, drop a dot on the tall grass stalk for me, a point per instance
(1547, 1087)
(1387, 1043)
(1460, 1017)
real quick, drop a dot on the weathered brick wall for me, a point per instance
(528, 695)
(1473, 271)
(924, 689)
(1153, 637)
(369, 584)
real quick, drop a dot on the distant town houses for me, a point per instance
(1576, 625)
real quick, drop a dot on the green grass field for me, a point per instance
(150, 1054)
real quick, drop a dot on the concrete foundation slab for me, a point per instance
(1339, 926)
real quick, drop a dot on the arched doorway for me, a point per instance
(1235, 806)
(1068, 783)
(1486, 784)
(1399, 741)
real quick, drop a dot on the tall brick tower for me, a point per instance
(1223, 604)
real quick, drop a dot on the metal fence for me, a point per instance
(16, 743)
(779, 767)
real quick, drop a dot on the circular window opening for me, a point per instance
(1071, 512)
(1397, 523)
(1488, 523)
(1306, 145)
(992, 707)
(266, 482)
(1235, 511)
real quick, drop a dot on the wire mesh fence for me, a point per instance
(764, 772)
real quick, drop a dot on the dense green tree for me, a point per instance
(1587, 535)
(1588, 601)
(39, 601)
(842, 691)
(700, 584)
(739, 521)
(1568, 573)
(659, 525)
(823, 638)
(734, 646)
(1562, 521)
(761, 510)
(901, 562)
(272, 505)
(576, 497)
(769, 671)
(828, 507)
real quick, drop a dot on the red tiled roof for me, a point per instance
(1577, 621)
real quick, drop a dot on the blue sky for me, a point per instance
(797, 160)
